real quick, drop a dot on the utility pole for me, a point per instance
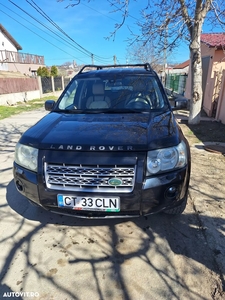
(114, 59)
(92, 59)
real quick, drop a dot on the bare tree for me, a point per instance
(166, 23)
(140, 53)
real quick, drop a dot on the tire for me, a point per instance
(178, 209)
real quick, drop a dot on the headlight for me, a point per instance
(26, 156)
(166, 159)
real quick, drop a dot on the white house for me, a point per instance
(7, 43)
(13, 61)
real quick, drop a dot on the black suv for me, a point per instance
(110, 147)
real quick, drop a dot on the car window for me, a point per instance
(117, 93)
(69, 95)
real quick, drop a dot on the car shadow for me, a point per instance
(184, 235)
(27, 210)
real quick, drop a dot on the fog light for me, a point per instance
(172, 193)
(172, 190)
(19, 185)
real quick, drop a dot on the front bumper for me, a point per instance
(152, 195)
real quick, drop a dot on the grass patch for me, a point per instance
(7, 111)
(190, 132)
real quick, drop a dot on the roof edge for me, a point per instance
(8, 35)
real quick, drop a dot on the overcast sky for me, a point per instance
(87, 27)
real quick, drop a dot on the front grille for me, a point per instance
(89, 178)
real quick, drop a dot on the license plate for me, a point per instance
(107, 204)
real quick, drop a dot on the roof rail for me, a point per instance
(147, 66)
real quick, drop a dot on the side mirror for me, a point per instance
(180, 104)
(49, 105)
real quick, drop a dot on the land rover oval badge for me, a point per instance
(115, 181)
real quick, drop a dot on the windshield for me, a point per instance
(141, 93)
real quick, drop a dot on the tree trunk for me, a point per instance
(196, 80)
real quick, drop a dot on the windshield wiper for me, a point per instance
(101, 111)
(115, 111)
(72, 111)
(132, 110)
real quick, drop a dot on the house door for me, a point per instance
(205, 69)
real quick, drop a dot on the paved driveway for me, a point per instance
(48, 256)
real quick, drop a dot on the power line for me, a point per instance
(40, 11)
(38, 35)
(43, 25)
(107, 15)
(99, 12)
(127, 13)
(75, 45)
(49, 29)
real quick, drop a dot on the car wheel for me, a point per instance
(178, 209)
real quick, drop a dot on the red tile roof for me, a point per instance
(213, 39)
(182, 65)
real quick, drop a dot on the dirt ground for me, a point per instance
(207, 187)
(206, 131)
(155, 257)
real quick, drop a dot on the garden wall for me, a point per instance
(14, 90)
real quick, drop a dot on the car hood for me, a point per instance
(114, 132)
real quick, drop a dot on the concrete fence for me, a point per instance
(13, 90)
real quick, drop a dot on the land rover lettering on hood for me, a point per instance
(110, 147)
